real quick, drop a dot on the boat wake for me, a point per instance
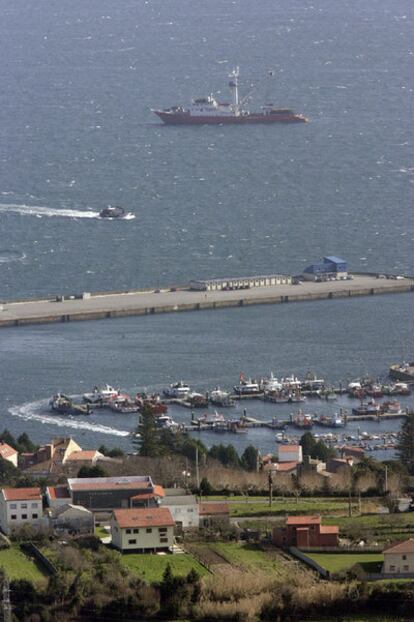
(34, 411)
(7, 256)
(39, 211)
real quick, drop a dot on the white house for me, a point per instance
(290, 453)
(142, 529)
(184, 509)
(7, 452)
(20, 506)
(71, 519)
(399, 558)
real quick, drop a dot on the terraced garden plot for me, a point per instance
(250, 557)
(379, 527)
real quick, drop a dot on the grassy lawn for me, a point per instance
(249, 557)
(151, 567)
(18, 566)
(100, 532)
(337, 562)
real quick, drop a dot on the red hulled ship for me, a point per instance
(208, 110)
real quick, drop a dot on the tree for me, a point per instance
(25, 444)
(249, 458)
(206, 488)
(406, 443)
(227, 455)
(149, 440)
(308, 444)
(92, 471)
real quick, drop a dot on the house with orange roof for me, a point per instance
(306, 532)
(20, 506)
(142, 529)
(399, 558)
(7, 452)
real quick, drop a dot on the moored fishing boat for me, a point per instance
(101, 395)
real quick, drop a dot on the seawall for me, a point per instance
(147, 302)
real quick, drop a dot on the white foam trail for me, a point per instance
(32, 411)
(37, 210)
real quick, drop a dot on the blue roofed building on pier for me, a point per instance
(331, 268)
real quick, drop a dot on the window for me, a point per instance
(24, 516)
(392, 568)
(162, 529)
(190, 510)
(13, 516)
(136, 530)
(13, 506)
(128, 531)
(132, 541)
(406, 568)
(34, 515)
(34, 505)
(24, 506)
(148, 530)
(404, 557)
(164, 540)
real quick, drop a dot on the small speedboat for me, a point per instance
(115, 212)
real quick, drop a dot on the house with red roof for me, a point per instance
(399, 558)
(306, 532)
(20, 506)
(142, 529)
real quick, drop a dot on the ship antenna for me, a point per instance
(234, 87)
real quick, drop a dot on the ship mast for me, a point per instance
(234, 87)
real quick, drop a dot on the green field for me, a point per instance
(18, 566)
(249, 557)
(338, 562)
(259, 506)
(151, 567)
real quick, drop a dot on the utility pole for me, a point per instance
(270, 480)
(349, 502)
(7, 609)
(197, 472)
(386, 479)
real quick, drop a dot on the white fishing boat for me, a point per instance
(100, 395)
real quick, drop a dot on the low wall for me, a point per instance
(31, 549)
(309, 562)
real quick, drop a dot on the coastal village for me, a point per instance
(334, 519)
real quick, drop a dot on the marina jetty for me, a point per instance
(237, 293)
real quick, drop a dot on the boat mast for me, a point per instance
(234, 87)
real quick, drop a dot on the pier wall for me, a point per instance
(98, 306)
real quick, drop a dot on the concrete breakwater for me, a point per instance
(150, 301)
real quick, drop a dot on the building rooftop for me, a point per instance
(110, 483)
(324, 529)
(144, 517)
(83, 454)
(22, 494)
(402, 547)
(58, 492)
(286, 448)
(219, 508)
(303, 520)
(286, 466)
(6, 450)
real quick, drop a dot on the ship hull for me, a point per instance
(170, 118)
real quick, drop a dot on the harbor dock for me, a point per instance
(90, 306)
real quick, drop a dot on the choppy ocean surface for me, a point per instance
(79, 80)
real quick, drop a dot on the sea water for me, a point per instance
(78, 84)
